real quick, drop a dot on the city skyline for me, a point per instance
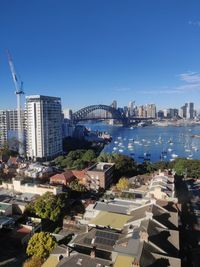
(92, 52)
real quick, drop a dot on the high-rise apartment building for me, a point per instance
(3, 127)
(9, 127)
(44, 126)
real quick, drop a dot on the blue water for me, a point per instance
(161, 143)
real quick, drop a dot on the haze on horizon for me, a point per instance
(95, 51)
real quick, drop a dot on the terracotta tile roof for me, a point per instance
(66, 177)
(24, 230)
(79, 174)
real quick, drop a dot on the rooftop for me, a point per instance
(101, 239)
(52, 261)
(123, 260)
(112, 220)
(5, 220)
(4, 206)
(100, 167)
(83, 260)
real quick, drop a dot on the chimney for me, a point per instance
(153, 200)
(60, 257)
(143, 236)
(93, 254)
(135, 263)
(67, 252)
(149, 215)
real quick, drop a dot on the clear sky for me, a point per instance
(95, 51)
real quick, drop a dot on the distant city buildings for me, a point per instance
(187, 111)
(44, 126)
(67, 113)
(67, 125)
(114, 104)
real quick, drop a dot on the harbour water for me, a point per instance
(152, 143)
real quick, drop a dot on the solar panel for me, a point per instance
(104, 241)
(107, 235)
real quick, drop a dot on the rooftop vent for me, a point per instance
(79, 262)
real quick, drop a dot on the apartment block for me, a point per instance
(44, 126)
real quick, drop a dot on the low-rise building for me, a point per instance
(100, 175)
(62, 178)
(5, 209)
(139, 232)
(35, 170)
(18, 186)
(162, 187)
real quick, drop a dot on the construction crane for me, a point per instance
(19, 92)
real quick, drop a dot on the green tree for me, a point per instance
(76, 186)
(67, 162)
(189, 167)
(180, 166)
(41, 245)
(124, 165)
(76, 154)
(89, 156)
(122, 184)
(59, 160)
(33, 262)
(79, 164)
(49, 206)
(105, 157)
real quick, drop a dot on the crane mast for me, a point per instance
(19, 92)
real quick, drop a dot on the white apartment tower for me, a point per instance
(44, 126)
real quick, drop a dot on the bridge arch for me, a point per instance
(83, 113)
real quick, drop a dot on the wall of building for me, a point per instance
(34, 189)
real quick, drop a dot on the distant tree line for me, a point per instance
(125, 165)
(77, 159)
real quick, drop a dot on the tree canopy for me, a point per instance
(33, 262)
(124, 165)
(188, 167)
(76, 159)
(41, 245)
(76, 186)
(49, 206)
(122, 184)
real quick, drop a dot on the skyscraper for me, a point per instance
(151, 110)
(44, 126)
(190, 111)
(131, 106)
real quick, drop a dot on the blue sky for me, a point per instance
(95, 51)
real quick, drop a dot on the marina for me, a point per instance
(153, 143)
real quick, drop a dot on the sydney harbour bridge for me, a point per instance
(104, 112)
